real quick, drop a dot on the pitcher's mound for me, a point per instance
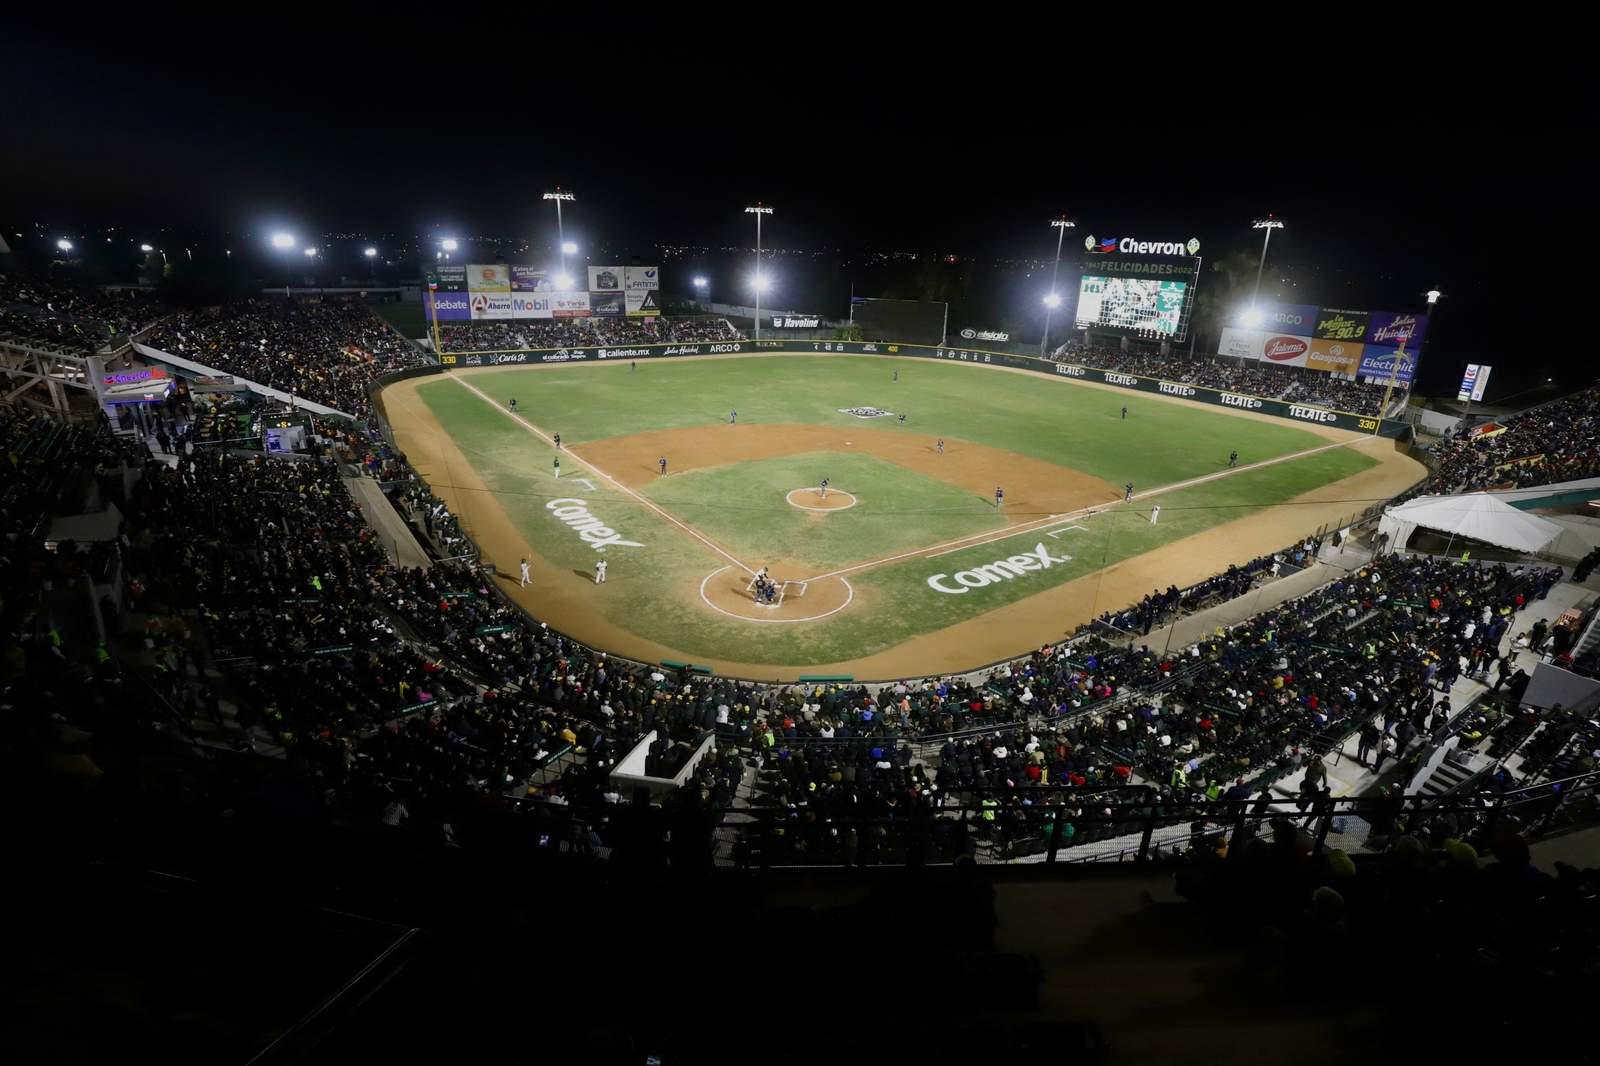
(727, 591)
(811, 499)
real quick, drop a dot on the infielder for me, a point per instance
(902, 420)
(557, 439)
(940, 446)
(999, 497)
(524, 573)
(558, 465)
(822, 491)
(600, 572)
(1155, 513)
(1233, 458)
(1128, 495)
(733, 418)
(513, 405)
(662, 462)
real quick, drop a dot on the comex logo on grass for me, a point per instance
(999, 570)
(597, 534)
(865, 412)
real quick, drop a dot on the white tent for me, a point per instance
(1475, 515)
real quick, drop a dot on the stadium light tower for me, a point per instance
(1053, 301)
(558, 195)
(64, 244)
(1268, 224)
(702, 286)
(282, 240)
(760, 282)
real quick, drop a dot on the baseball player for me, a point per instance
(524, 573)
(1124, 414)
(600, 572)
(940, 446)
(558, 465)
(1128, 494)
(633, 364)
(1233, 458)
(662, 462)
(902, 420)
(1155, 513)
(999, 497)
(733, 418)
(513, 405)
(557, 439)
(896, 375)
(823, 490)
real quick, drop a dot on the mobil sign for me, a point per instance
(452, 307)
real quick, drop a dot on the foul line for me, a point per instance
(977, 540)
(619, 486)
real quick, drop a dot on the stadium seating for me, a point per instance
(575, 333)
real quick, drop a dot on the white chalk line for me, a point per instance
(619, 486)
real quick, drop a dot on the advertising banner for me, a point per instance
(488, 277)
(449, 306)
(607, 304)
(527, 279)
(1280, 348)
(1473, 382)
(641, 279)
(1378, 363)
(643, 303)
(569, 304)
(1385, 327)
(452, 278)
(1336, 325)
(490, 305)
(1336, 357)
(530, 305)
(1298, 319)
(605, 279)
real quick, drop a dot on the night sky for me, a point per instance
(1395, 172)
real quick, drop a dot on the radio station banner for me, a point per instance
(569, 304)
(1336, 325)
(527, 279)
(1199, 394)
(531, 305)
(1473, 382)
(1380, 364)
(449, 306)
(643, 303)
(489, 306)
(605, 279)
(642, 279)
(1264, 345)
(607, 304)
(488, 277)
(1336, 357)
(451, 278)
(1385, 327)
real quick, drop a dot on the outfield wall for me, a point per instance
(1386, 427)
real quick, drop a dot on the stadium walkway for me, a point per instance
(396, 537)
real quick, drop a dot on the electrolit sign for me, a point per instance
(1134, 246)
(1474, 382)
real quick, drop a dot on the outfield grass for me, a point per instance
(1067, 424)
(653, 589)
(742, 507)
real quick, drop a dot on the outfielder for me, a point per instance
(557, 461)
(733, 418)
(524, 573)
(1124, 414)
(1155, 513)
(1233, 458)
(557, 439)
(600, 572)
(513, 405)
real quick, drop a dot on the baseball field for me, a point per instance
(908, 566)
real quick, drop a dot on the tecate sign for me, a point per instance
(1175, 390)
(984, 335)
(1069, 370)
(1133, 246)
(1311, 414)
(595, 533)
(1283, 349)
(1121, 379)
(958, 583)
(794, 322)
(1249, 403)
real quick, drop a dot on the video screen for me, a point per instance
(1141, 305)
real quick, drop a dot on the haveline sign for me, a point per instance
(1155, 386)
(796, 322)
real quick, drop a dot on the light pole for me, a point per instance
(1269, 223)
(561, 234)
(702, 293)
(1053, 301)
(760, 282)
(372, 260)
(281, 242)
(1434, 296)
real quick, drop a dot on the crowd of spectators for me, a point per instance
(1555, 442)
(1251, 378)
(582, 332)
(326, 351)
(77, 319)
